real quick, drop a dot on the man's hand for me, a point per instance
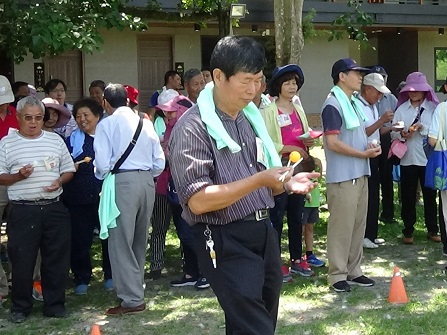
(387, 116)
(55, 185)
(26, 171)
(373, 152)
(271, 177)
(302, 183)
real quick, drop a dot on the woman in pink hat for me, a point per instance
(56, 115)
(415, 106)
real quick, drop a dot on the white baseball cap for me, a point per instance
(6, 95)
(376, 80)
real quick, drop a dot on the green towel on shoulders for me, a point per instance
(352, 109)
(108, 211)
(218, 132)
(160, 126)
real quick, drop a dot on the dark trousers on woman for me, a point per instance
(409, 178)
(442, 228)
(372, 218)
(247, 280)
(186, 237)
(386, 180)
(84, 218)
(294, 205)
(34, 227)
(161, 218)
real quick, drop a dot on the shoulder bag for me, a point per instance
(129, 147)
(436, 169)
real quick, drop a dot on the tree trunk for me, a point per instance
(288, 31)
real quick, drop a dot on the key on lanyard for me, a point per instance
(210, 245)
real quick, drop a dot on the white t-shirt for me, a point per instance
(49, 156)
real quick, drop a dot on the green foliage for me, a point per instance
(51, 27)
(309, 30)
(352, 23)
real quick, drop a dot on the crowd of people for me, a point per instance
(215, 161)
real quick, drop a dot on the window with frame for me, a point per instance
(440, 67)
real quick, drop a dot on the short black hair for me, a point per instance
(233, 54)
(98, 83)
(169, 74)
(191, 73)
(51, 85)
(16, 86)
(116, 95)
(275, 88)
(89, 103)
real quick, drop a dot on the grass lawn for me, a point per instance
(307, 305)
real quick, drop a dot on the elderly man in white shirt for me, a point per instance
(373, 89)
(135, 193)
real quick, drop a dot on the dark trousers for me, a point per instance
(31, 228)
(248, 277)
(372, 218)
(186, 237)
(386, 178)
(294, 205)
(84, 218)
(409, 177)
(442, 226)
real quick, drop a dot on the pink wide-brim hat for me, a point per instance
(417, 82)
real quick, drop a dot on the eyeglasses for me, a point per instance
(58, 91)
(30, 118)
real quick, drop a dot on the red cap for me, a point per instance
(132, 94)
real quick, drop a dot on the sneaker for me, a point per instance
(17, 317)
(379, 241)
(367, 243)
(341, 286)
(108, 284)
(388, 220)
(407, 240)
(286, 277)
(362, 281)
(434, 238)
(201, 283)
(301, 267)
(184, 282)
(154, 274)
(314, 261)
(37, 291)
(81, 289)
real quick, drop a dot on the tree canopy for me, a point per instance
(50, 27)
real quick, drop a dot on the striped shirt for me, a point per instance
(49, 156)
(197, 163)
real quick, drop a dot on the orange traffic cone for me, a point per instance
(95, 330)
(397, 295)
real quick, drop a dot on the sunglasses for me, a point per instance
(30, 118)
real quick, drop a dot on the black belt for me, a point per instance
(260, 214)
(38, 202)
(131, 170)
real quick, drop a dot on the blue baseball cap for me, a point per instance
(346, 64)
(378, 69)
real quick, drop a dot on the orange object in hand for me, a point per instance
(294, 156)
